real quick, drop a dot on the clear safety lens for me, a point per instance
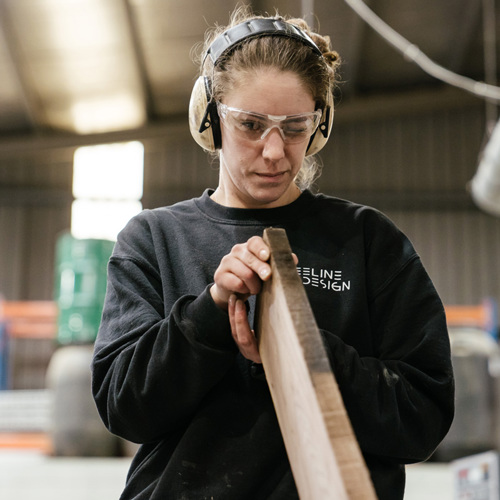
(255, 126)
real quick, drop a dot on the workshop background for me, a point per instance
(77, 73)
(80, 73)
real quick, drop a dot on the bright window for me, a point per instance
(108, 187)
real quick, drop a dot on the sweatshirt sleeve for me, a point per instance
(153, 364)
(401, 399)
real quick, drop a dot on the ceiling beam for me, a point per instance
(172, 130)
(382, 106)
(140, 62)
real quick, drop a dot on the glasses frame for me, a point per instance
(278, 122)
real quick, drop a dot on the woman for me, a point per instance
(176, 364)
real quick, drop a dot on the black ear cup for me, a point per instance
(320, 137)
(204, 121)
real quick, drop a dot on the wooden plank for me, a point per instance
(324, 454)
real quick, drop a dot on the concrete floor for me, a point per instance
(34, 476)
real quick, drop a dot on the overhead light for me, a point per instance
(485, 185)
(108, 113)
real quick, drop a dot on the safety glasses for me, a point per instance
(255, 126)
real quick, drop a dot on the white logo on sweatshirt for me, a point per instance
(324, 278)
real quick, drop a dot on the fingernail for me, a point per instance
(232, 299)
(264, 273)
(264, 254)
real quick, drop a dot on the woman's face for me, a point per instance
(260, 174)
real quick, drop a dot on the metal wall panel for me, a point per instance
(176, 170)
(35, 204)
(27, 250)
(414, 168)
(428, 152)
(459, 249)
(12, 221)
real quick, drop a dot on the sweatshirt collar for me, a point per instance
(249, 216)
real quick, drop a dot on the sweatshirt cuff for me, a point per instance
(335, 350)
(210, 322)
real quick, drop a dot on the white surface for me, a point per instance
(33, 476)
(429, 481)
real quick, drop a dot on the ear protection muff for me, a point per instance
(204, 122)
(320, 137)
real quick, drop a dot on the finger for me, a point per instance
(258, 247)
(295, 258)
(230, 311)
(240, 329)
(233, 275)
(254, 255)
(241, 271)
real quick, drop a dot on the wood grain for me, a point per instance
(324, 455)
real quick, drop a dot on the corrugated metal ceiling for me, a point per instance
(92, 66)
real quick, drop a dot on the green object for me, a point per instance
(80, 287)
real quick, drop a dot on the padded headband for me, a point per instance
(252, 29)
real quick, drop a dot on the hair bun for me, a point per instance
(322, 41)
(332, 58)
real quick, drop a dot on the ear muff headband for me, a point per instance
(204, 121)
(252, 29)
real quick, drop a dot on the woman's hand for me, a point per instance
(239, 275)
(241, 272)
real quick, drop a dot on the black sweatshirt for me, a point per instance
(166, 371)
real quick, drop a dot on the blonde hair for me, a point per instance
(318, 74)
